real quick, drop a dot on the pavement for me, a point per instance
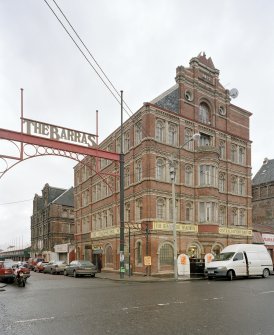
(142, 279)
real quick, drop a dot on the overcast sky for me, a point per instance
(138, 44)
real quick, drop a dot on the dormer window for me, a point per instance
(204, 113)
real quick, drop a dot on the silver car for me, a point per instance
(80, 268)
(55, 267)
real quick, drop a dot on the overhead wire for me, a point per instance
(93, 58)
(78, 47)
(129, 111)
(85, 56)
(87, 49)
(15, 202)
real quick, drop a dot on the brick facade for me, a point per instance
(52, 221)
(212, 186)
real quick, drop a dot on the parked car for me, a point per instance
(39, 267)
(47, 267)
(55, 267)
(33, 261)
(6, 272)
(80, 268)
(24, 267)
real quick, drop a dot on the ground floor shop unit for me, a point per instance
(149, 247)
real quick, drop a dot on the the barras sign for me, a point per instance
(58, 133)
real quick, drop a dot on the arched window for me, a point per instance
(222, 216)
(234, 184)
(221, 182)
(127, 177)
(160, 131)
(126, 141)
(138, 170)
(222, 149)
(189, 212)
(189, 175)
(161, 208)
(242, 218)
(160, 169)
(235, 216)
(110, 218)
(204, 113)
(172, 134)
(241, 186)
(166, 255)
(234, 153)
(138, 132)
(241, 155)
(188, 139)
(139, 209)
(138, 254)
(109, 257)
(194, 251)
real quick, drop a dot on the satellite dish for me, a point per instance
(233, 93)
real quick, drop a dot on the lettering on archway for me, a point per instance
(52, 140)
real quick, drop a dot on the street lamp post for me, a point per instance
(172, 172)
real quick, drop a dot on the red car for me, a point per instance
(6, 272)
(23, 267)
(39, 267)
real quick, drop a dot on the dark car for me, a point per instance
(6, 272)
(80, 268)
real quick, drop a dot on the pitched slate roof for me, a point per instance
(66, 198)
(169, 99)
(53, 192)
(265, 174)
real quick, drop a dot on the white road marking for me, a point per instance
(163, 304)
(266, 292)
(207, 299)
(34, 320)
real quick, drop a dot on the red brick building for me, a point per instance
(212, 186)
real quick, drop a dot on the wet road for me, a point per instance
(57, 305)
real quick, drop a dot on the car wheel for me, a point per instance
(265, 273)
(65, 273)
(74, 274)
(52, 272)
(92, 275)
(230, 275)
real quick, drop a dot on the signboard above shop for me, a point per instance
(268, 239)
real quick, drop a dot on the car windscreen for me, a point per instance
(86, 263)
(225, 256)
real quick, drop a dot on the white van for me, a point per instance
(241, 260)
